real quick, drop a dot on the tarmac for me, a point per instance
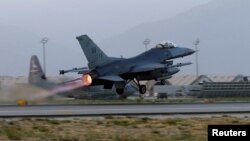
(104, 110)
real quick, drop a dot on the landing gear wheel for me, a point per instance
(142, 89)
(163, 82)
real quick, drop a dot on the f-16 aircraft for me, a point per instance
(154, 64)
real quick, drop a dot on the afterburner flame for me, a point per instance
(86, 80)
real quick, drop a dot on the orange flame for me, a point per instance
(86, 80)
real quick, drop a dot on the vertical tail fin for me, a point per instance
(95, 56)
(36, 74)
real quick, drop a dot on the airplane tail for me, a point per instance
(36, 74)
(95, 56)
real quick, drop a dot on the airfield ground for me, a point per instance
(135, 100)
(114, 128)
(109, 128)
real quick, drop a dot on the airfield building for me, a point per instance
(206, 86)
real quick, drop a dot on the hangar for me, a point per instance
(206, 86)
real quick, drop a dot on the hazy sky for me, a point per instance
(62, 20)
(92, 16)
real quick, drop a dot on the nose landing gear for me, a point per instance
(142, 89)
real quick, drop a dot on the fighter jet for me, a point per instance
(154, 64)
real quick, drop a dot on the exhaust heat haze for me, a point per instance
(30, 92)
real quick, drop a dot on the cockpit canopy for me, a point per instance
(165, 44)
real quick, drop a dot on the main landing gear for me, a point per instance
(142, 88)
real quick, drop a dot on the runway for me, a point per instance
(102, 110)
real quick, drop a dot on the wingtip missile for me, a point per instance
(78, 70)
(182, 64)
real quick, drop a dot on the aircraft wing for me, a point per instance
(148, 67)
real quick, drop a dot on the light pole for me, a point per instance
(196, 43)
(44, 41)
(146, 42)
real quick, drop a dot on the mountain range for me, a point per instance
(222, 26)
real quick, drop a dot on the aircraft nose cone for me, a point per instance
(190, 51)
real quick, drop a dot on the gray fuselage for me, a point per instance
(154, 55)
